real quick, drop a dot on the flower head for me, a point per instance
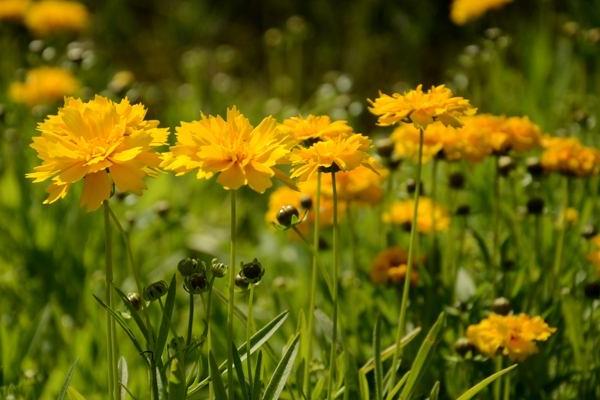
(421, 108)
(44, 85)
(513, 335)
(313, 127)
(463, 11)
(568, 156)
(239, 153)
(430, 216)
(101, 142)
(13, 10)
(341, 153)
(389, 267)
(47, 17)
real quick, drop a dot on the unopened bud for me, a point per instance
(384, 147)
(535, 205)
(589, 231)
(188, 266)
(196, 283)
(135, 300)
(462, 346)
(252, 271)
(456, 181)
(505, 165)
(217, 268)
(286, 214)
(155, 290)
(463, 210)
(306, 202)
(501, 306)
(241, 281)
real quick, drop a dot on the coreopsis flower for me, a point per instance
(436, 137)
(100, 142)
(13, 10)
(232, 148)
(463, 11)
(389, 267)
(338, 154)
(44, 85)
(313, 128)
(431, 217)
(361, 185)
(48, 17)
(504, 134)
(421, 108)
(511, 335)
(569, 157)
(523, 135)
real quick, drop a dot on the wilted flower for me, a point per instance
(512, 335)
(401, 212)
(101, 142)
(569, 157)
(44, 85)
(47, 17)
(13, 10)
(389, 267)
(463, 11)
(239, 153)
(313, 128)
(341, 153)
(421, 108)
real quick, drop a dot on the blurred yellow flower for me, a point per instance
(43, 85)
(313, 127)
(503, 134)
(401, 212)
(361, 185)
(568, 156)
(101, 142)
(463, 11)
(512, 335)
(48, 17)
(340, 153)
(239, 153)
(435, 137)
(421, 108)
(523, 135)
(389, 267)
(13, 10)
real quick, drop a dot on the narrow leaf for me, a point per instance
(282, 371)
(215, 376)
(435, 391)
(123, 325)
(469, 394)
(63, 392)
(377, 357)
(73, 394)
(163, 331)
(135, 315)
(239, 369)
(257, 372)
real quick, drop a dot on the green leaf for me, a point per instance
(165, 323)
(73, 394)
(363, 385)
(239, 369)
(398, 386)
(215, 376)
(282, 371)
(435, 391)
(389, 352)
(378, 362)
(257, 373)
(469, 394)
(485, 253)
(123, 375)
(123, 324)
(421, 358)
(63, 392)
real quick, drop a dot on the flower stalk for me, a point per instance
(113, 386)
(230, 303)
(335, 285)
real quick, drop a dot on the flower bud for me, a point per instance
(456, 181)
(196, 283)
(534, 167)
(241, 281)
(306, 202)
(411, 186)
(462, 346)
(217, 268)
(384, 147)
(162, 208)
(155, 290)
(463, 210)
(286, 214)
(592, 290)
(393, 162)
(501, 306)
(505, 165)
(135, 300)
(589, 231)
(252, 271)
(188, 266)
(535, 205)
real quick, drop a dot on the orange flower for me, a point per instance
(313, 127)
(389, 267)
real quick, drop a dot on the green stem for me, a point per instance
(190, 319)
(411, 250)
(207, 333)
(497, 386)
(496, 222)
(153, 379)
(127, 241)
(110, 323)
(560, 244)
(506, 386)
(335, 283)
(313, 287)
(230, 308)
(249, 322)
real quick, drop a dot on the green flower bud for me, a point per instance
(252, 271)
(196, 283)
(135, 300)
(188, 266)
(306, 202)
(286, 214)
(217, 268)
(241, 281)
(501, 306)
(155, 290)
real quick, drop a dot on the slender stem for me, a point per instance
(497, 386)
(249, 322)
(561, 234)
(295, 228)
(153, 379)
(506, 395)
(313, 287)
(207, 333)
(190, 319)
(336, 267)
(230, 308)
(134, 266)
(496, 222)
(110, 323)
(411, 250)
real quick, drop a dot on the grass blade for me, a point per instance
(165, 323)
(435, 391)
(377, 357)
(123, 325)
(257, 372)
(63, 392)
(135, 315)
(237, 363)
(282, 371)
(215, 376)
(469, 394)
(389, 352)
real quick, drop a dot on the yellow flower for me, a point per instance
(421, 108)
(401, 212)
(101, 142)
(523, 135)
(13, 10)
(513, 335)
(47, 17)
(313, 127)
(44, 85)
(501, 134)
(568, 156)
(341, 153)
(389, 267)
(463, 11)
(239, 153)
